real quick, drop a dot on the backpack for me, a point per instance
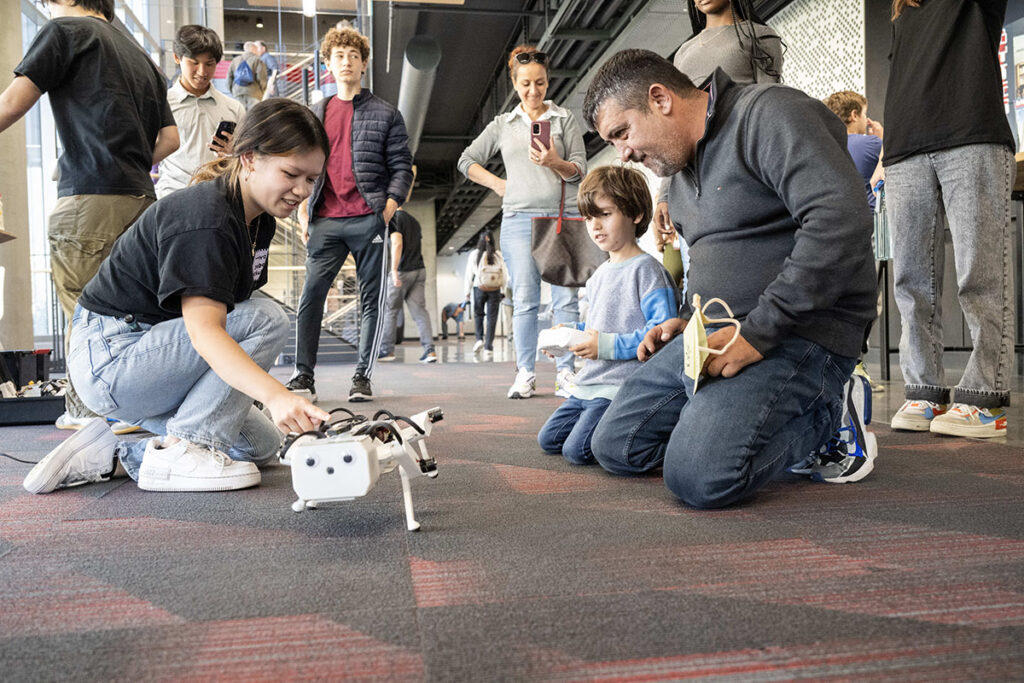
(243, 74)
(491, 276)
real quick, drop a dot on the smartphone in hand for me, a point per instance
(224, 127)
(541, 132)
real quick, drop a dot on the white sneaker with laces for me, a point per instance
(564, 380)
(487, 355)
(524, 386)
(186, 466)
(478, 345)
(86, 456)
(916, 416)
(966, 420)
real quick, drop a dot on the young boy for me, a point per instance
(628, 295)
(198, 108)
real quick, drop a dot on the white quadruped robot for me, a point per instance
(344, 458)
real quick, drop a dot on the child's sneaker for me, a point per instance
(524, 386)
(966, 420)
(917, 416)
(850, 454)
(85, 456)
(564, 380)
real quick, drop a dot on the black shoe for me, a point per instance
(301, 384)
(361, 390)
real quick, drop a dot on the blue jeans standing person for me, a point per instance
(779, 410)
(516, 247)
(571, 427)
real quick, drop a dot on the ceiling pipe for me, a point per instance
(422, 55)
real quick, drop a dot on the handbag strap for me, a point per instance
(561, 210)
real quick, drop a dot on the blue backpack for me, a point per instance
(243, 74)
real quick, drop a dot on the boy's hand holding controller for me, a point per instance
(587, 349)
(558, 341)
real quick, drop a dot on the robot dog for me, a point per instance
(344, 458)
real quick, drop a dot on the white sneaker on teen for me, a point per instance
(186, 466)
(564, 380)
(86, 456)
(966, 420)
(916, 416)
(487, 354)
(478, 345)
(524, 386)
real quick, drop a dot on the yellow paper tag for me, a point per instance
(695, 338)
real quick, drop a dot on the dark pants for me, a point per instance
(486, 301)
(331, 240)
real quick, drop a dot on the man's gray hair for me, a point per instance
(626, 78)
(249, 46)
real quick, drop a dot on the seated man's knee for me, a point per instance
(609, 448)
(695, 485)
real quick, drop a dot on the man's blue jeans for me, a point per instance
(720, 445)
(516, 249)
(571, 427)
(151, 375)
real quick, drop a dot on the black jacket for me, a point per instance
(381, 161)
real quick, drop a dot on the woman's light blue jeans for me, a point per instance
(152, 376)
(516, 248)
(971, 186)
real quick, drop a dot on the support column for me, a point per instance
(15, 270)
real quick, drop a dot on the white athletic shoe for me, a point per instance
(524, 386)
(85, 456)
(65, 421)
(478, 345)
(564, 380)
(186, 466)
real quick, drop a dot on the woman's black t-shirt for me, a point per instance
(945, 86)
(191, 243)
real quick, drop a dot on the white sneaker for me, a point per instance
(487, 355)
(85, 456)
(917, 416)
(479, 345)
(65, 421)
(186, 466)
(966, 420)
(524, 386)
(564, 380)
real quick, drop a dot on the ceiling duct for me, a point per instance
(422, 55)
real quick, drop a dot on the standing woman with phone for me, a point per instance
(541, 146)
(206, 118)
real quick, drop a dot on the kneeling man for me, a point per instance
(777, 227)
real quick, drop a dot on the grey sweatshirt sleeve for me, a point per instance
(482, 149)
(575, 148)
(813, 174)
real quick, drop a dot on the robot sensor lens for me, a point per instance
(311, 462)
(330, 470)
(347, 458)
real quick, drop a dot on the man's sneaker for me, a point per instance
(917, 416)
(862, 371)
(428, 357)
(361, 390)
(966, 420)
(850, 454)
(564, 380)
(85, 456)
(119, 427)
(302, 384)
(386, 357)
(478, 345)
(186, 466)
(487, 354)
(524, 386)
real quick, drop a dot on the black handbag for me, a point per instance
(562, 249)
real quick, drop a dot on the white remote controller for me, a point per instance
(558, 340)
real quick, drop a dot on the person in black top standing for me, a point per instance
(166, 335)
(109, 103)
(949, 151)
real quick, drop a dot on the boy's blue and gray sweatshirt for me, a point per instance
(772, 210)
(625, 301)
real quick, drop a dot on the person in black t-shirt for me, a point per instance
(949, 151)
(109, 103)
(166, 335)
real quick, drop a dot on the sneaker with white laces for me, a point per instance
(917, 416)
(850, 454)
(118, 427)
(478, 345)
(186, 466)
(966, 420)
(524, 386)
(86, 456)
(564, 380)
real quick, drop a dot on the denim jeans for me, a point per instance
(485, 308)
(971, 186)
(570, 429)
(516, 248)
(721, 444)
(412, 292)
(151, 375)
(331, 240)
